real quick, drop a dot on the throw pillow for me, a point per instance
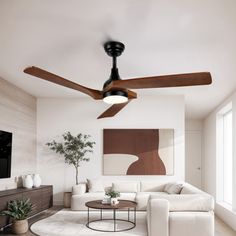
(95, 185)
(173, 188)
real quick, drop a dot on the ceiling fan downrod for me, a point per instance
(114, 49)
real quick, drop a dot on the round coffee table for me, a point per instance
(122, 205)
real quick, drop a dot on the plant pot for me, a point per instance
(67, 199)
(20, 226)
(114, 201)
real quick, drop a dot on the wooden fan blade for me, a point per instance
(45, 75)
(191, 79)
(131, 94)
(113, 110)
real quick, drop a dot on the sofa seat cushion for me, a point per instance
(78, 201)
(191, 223)
(188, 202)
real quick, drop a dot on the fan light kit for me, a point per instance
(115, 97)
(115, 90)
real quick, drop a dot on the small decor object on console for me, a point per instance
(19, 211)
(113, 195)
(74, 149)
(28, 181)
(37, 181)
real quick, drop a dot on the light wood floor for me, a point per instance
(221, 229)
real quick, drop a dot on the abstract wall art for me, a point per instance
(138, 151)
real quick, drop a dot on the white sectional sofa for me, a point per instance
(173, 209)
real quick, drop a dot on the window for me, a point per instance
(225, 155)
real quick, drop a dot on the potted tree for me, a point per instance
(19, 211)
(74, 149)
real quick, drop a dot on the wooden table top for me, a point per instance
(123, 204)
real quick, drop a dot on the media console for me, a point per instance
(40, 197)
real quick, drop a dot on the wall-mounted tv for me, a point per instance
(5, 154)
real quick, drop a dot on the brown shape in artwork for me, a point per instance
(143, 143)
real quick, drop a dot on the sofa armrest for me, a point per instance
(158, 217)
(79, 189)
(188, 202)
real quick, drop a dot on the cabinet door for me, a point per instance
(35, 197)
(4, 220)
(46, 197)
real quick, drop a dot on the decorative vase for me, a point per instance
(36, 180)
(20, 226)
(114, 201)
(28, 181)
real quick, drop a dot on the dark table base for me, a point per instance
(114, 219)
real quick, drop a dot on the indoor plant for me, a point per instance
(113, 195)
(73, 148)
(19, 211)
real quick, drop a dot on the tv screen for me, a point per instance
(5, 154)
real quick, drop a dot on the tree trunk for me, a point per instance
(76, 169)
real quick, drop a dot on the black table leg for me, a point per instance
(88, 216)
(114, 216)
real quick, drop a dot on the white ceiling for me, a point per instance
(161, 37)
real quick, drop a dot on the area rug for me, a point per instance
(72, 223)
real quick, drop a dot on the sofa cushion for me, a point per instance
(79, 189)
(125, 187)
(78, 201)
(191, 223)
(189, 189)
(153, 186)
(143, 197)
(142, 200)
(127, 196)
(95, 185)
(173, 188)
(188, 202)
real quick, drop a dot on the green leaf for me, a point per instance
(18, 209)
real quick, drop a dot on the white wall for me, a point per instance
(18, 115)
(209, 160)
(55, 116)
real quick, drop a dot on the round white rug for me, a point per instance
(73, 223)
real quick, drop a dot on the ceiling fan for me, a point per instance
(115, 90)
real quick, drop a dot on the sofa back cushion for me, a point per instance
(125, 187)
(146, 186)
(95, 185)
(173, 188)
(189, 189)
(79, 189)
(188, 202)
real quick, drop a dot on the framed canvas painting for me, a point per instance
(138, 151)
